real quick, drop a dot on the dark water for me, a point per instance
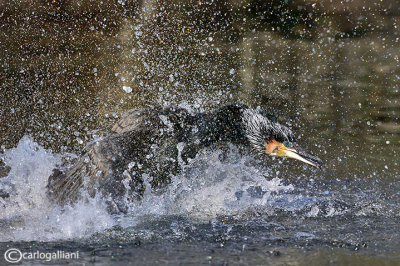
(69, 72)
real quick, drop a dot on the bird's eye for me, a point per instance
(287, 144)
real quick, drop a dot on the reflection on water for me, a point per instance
(339, 94)
(70, 70)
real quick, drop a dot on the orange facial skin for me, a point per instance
(272, 146)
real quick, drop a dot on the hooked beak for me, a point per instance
(299, 154)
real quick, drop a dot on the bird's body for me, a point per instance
(150, 146)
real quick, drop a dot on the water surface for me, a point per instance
(67, 79)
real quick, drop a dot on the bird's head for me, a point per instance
(271, 138)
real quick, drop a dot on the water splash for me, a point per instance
(215, 184)
(27, 214)
(210, 186)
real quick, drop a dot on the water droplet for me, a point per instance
(127, 89)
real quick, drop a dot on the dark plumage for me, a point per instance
(148, 145)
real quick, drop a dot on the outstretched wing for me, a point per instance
(131, 120)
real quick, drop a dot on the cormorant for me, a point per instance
(152, 143)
